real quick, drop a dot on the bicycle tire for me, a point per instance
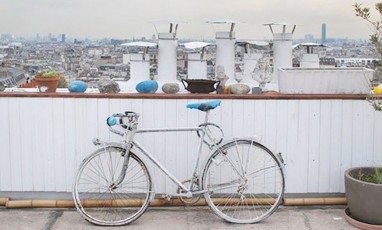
(102, 204)
(244, 182)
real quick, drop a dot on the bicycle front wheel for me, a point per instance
(99, 194)
(244, 182)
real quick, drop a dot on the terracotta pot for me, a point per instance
(28, 85)
(47, 84)
(364, 199)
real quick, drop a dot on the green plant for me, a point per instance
(375, 102)
(52, 73)
(375, 98)
(376, 25)
(375, 177)
(62, 83)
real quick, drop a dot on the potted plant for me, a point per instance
(47, 81)
(363, 188)
(363, 185)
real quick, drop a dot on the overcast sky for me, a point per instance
(132, 18)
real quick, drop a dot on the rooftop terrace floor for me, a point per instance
(325, 217)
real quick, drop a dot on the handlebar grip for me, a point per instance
(111, 121)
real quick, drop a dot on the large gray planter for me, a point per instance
(364, 199)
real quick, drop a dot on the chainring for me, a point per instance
(192, 200)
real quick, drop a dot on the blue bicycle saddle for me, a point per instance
(205, 106)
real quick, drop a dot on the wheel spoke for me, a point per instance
(103, 202)
(234, 193)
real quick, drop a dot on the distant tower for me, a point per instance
(282, 47)
(63, 38)
(323, 35)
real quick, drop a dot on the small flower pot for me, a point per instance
(47, 84)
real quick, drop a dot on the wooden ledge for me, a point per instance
(263, 96)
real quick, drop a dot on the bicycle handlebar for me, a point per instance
(128, 120)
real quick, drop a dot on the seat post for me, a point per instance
(206, 117)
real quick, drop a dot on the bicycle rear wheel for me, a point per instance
(244, 180)
(98, 197)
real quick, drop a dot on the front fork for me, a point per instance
(121, 177)
(126, 158)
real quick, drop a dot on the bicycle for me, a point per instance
(242, 181)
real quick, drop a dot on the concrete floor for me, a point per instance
(201, 218)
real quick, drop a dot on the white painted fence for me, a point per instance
(43, 140)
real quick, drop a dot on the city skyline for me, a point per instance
(126, 19)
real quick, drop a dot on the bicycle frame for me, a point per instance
(242, 180)
(131, 142)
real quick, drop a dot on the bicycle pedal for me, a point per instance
(166, 197)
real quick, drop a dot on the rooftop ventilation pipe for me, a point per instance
(139, 65)
(197, 63)
(225, 50)
(309, 59)
(282, 47)
(167, 56)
